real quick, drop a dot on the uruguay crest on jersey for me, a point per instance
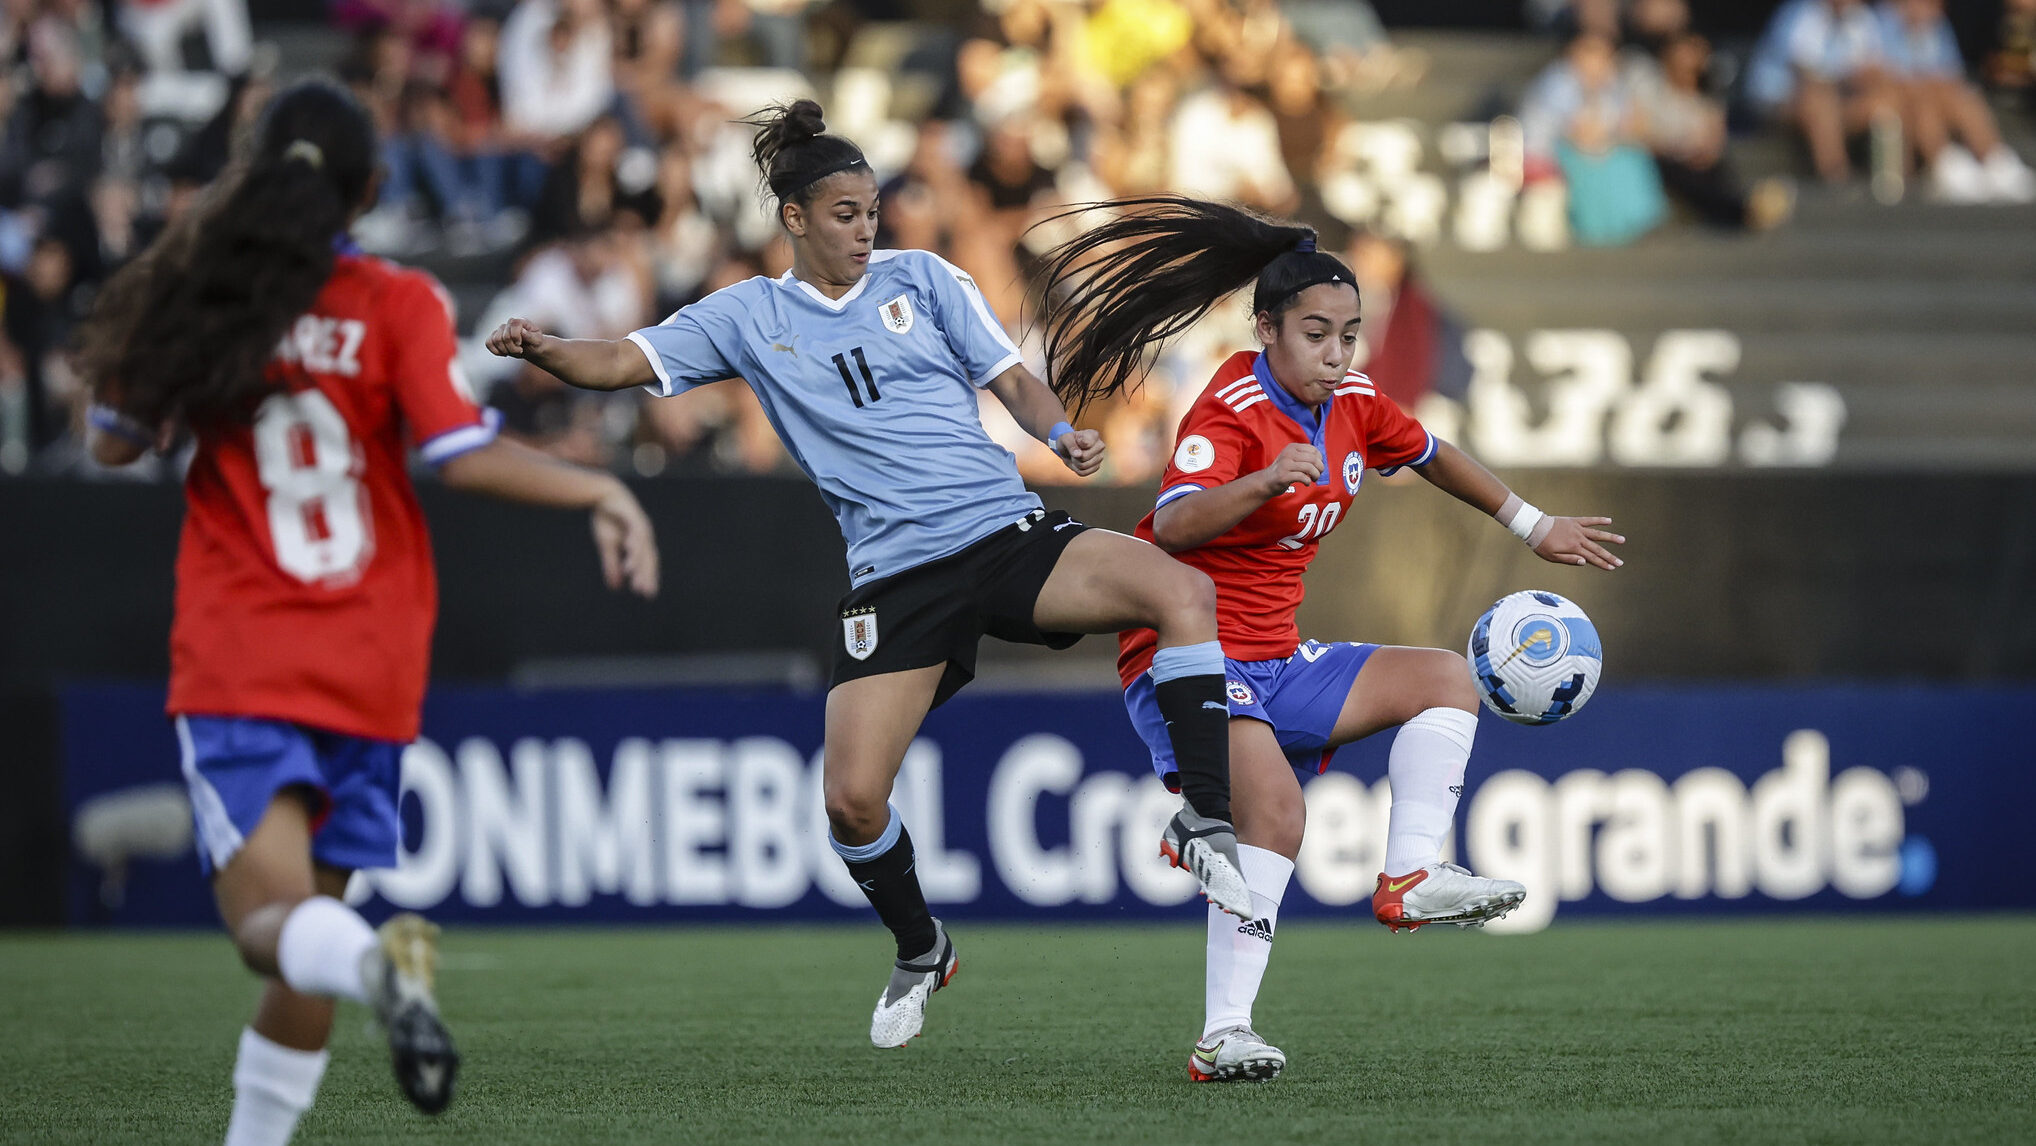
(897, 315)
(859, 633)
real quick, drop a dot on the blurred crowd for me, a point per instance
(1637, 111)
(576, 162)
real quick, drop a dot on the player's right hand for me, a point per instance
(627, 545)
(516, 338)
(1298, 464)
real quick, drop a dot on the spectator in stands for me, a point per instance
(1940, 102)
(1413, 344)
(52, 149)
(1226, 145)
(2011, 61)
(599, 179)
(1579, 118)
(650, 39)
(555, 68)
(684, 240)
(157, 29)
(429, 29)
(1307, 119)
(1819, 66)
(1685, 130)
(41, 308)
(777, 29)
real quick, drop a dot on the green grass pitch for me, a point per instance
(1839, 1031)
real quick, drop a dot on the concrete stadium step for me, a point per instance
(1898, 247)
(1778, 304)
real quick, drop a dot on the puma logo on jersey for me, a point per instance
(783, 348)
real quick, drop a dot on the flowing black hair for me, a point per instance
(1114, 294)
(186, 330)
(793, 151)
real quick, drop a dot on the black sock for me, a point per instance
(893, 889)
(1198, 722)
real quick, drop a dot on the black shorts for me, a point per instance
(939, 611)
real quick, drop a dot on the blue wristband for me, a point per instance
(107, 420)
(1060, 430)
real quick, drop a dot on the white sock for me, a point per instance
(1239, 951)
(1426, 766)
(272, 1087)
(322, 947)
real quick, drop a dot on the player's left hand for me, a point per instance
(628, 547)
(1082, 451)
(1579, 541)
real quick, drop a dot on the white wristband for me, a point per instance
(1521, 519)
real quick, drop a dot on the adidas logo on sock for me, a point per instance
(1257, 928)
(1456, 790)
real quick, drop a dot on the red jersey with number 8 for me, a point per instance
(305, 588)
(1237, 427)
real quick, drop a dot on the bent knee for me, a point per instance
(1186, 593)
(1446, 682)
(857, 814)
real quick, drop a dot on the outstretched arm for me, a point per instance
(588, 363)
(1039, 412)
(516, 472)
(1562, 540)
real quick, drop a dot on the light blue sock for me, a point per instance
(1205, 659)
(867, 852)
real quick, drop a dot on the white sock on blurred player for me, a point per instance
(323, 944)
(272, 1087)
(1426, 766)
(1239, 951)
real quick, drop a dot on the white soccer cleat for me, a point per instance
(1236, 1054)
(1443, 893)
(901, 1009)
(2008, 177)
(400, 976)
(1207, 849)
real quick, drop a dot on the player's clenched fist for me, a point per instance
(1082, 450)
(1298, 464)
(515, 339)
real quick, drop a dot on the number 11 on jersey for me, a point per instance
(869, 380)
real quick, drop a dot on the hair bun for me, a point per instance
(802, 121)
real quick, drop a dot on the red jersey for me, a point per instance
(305, 588)
(1238, 426)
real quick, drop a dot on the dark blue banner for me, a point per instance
(662, 804)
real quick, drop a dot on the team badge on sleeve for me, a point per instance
(1353, 471)
(897, 314)
(1196, 453)
(859, 633)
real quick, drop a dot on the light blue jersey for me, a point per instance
(873, 394)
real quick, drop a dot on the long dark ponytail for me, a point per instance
(793, 151)
(185, 331)
(1112, 295)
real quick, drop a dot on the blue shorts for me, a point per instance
(235, 765)
(1300, 696)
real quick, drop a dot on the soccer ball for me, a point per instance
(1535, 657)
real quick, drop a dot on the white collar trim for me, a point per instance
(813, 292)
(854, 292)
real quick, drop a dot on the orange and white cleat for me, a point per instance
(1235, 1054)
(1443, 893)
